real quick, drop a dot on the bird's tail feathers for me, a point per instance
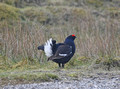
(50, 58)
(41, 47)
(48, 48)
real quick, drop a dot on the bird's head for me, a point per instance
(71, 37)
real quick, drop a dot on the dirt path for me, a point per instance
(89, 81)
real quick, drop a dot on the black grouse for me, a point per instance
(60, 53)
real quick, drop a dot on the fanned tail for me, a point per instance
(48, 48)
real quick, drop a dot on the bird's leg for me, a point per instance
(59, 64)
(62, 65)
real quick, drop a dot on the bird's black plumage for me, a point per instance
(61, 52)
(41, 47)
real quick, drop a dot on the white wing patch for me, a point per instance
(62, 55)
(48, 48)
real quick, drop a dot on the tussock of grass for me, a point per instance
(74, 75)
(9, 2)
(51, 15)
(5, 63)
(36, 77)
(34, 13)
(96, 3)
(107, 63)
(114, 12)
(79, 62)
(27, 78)
(8, 12)
(8, 15)
(25, 72)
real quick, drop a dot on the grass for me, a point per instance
(30, 77)
(24, 29)
(45, 72)
(8, 12)
(73, 75)
(26, 73)
(95, 3)
(23, 72)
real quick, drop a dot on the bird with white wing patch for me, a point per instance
(60, 53)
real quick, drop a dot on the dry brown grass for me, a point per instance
(96, 36)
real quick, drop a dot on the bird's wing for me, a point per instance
(62, 51)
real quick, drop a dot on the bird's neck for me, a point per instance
(71, 43)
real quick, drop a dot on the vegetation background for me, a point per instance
(26, 24)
